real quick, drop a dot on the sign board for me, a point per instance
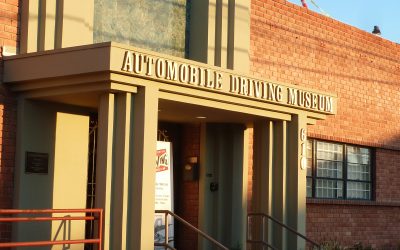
(184, 73)
(36, 163)
(163, 192)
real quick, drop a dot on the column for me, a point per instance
(262, 180)
(262, 165)
(296, 180)
(142, 174)
(220, 33)
(29, 26)
(104, 162)
(125, 167)
(279, 184)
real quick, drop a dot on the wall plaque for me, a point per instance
(36, 163)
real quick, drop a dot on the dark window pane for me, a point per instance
(309, 187)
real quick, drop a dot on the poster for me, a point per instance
(163, 192)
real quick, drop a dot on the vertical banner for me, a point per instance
(164, 192)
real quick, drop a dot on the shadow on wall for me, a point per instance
(8, 117)
(394, 143)
(65, 228)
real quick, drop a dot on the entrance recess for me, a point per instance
(222, 185)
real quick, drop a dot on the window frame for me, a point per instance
(344, 178)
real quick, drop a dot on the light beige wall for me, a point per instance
(50, 24)
(33, 191)
(64, 137)
(70, 174)
(76, 21)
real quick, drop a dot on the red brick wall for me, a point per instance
(376, 225)
(9, 32)
(388, 176)
(189, 190)
(294, 45)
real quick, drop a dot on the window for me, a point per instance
(338, 171)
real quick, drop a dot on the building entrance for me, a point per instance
(208, 180)
(222, 204)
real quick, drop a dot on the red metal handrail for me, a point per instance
(97, 211)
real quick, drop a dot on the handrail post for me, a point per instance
(100, 229)
(166, 230)
(90, 215)
(248, 228)
(263, 229)
(185, 223)
(284, 226)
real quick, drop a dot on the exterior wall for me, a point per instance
(387, 176)
(9, 30)
(295, 45)
(373, 225)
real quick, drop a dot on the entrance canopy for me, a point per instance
(79, 75)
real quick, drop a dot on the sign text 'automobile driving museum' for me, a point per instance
(153, 67)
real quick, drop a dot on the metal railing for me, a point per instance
(90, 217)
(265, 243)
(187, 224)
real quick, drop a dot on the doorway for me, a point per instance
(223, 192)
(214, 200)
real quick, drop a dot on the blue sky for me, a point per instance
(363, 14)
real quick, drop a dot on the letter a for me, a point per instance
(128, 62)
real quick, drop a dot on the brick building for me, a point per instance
(348, 192)
(292, 44)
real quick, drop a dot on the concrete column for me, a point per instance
(122, 152)
(74, 17)
(296, 181)
(279, 184)
(49, 24)
(104, 163)
(244, 186)
(220, 33)
(240, 58)
(212, 43)
(262, 171)
(125, 168)
(29, 26)
(142, 174)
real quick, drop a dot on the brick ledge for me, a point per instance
(352, 202)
